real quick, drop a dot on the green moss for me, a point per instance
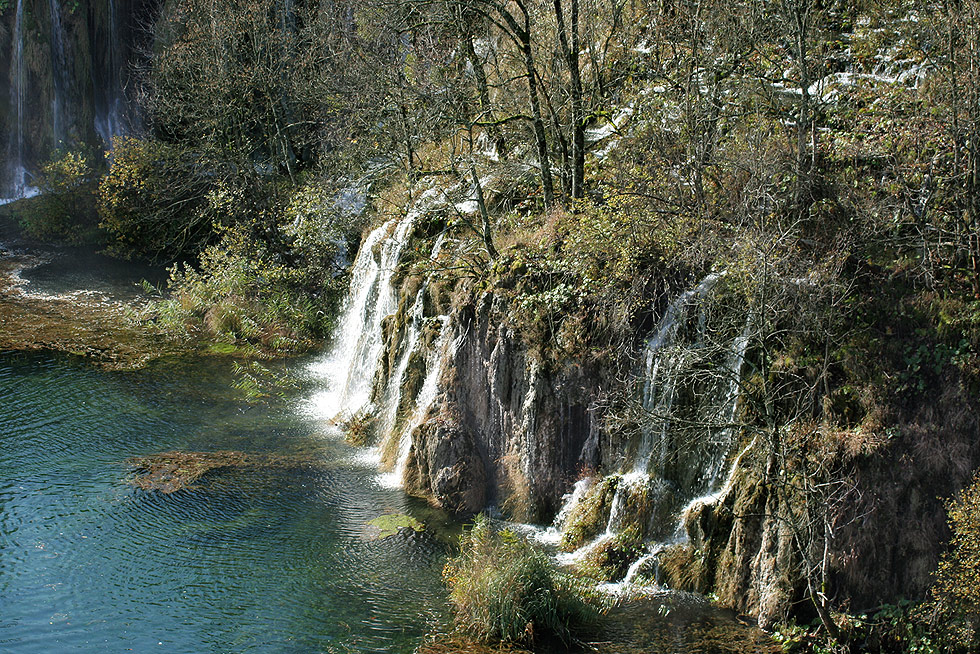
(589, 518)
(222, 348)
(611, 559)
(390, 523)
(683, 567)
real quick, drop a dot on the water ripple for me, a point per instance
(251, 561)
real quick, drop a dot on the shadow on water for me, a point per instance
(64, 269)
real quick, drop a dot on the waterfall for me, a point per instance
(58, 75)
(410, 345)
(393, 390)
(661, 368)
(423, 402)
(690, 385)
(109, 118)
(348, 366)
(16, 175)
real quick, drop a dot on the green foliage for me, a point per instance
(64, 210)
(160, 201)
(958, 582)
(503, 590)
(242, 293)
(905, 627)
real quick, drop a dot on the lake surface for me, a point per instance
(269, 561)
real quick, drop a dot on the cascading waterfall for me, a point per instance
(349, 365)
(58, 75)
(685, 372)
(393, 390)
(410, 344)
(15, 155)
(661, 367)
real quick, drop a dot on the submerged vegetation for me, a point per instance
(169, 472)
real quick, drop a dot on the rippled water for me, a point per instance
(276, 561)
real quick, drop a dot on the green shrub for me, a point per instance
(503, 590)
(64, 210)
(957, 590)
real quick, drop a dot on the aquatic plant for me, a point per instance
(504, 590)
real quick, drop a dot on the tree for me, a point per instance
(157, 201)
(957, 587)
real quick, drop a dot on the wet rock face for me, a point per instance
(449, 466)
(64, 74)
(517, 431)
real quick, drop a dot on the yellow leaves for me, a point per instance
(958, 582)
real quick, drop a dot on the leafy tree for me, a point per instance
(958, 581)
(157, 201)
(65, 207)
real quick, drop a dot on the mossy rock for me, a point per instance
(588, 519)
(611, 559)
(391, 523)
(683, 567)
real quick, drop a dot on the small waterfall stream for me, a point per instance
(690, 375)
(109, 118)
(15, 156)
(423, 402)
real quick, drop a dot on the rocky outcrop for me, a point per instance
(509, 431)
(512, 429)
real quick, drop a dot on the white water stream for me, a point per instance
(346, 371)
(683, 336)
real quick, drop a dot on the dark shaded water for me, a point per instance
(277, 561)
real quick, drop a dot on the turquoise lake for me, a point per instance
(267, 561)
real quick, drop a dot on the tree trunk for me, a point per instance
(571, 54)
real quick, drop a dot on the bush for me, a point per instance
(504, 590)
(239, 294)
(158, 201)
(957, 589)
(64, 210)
